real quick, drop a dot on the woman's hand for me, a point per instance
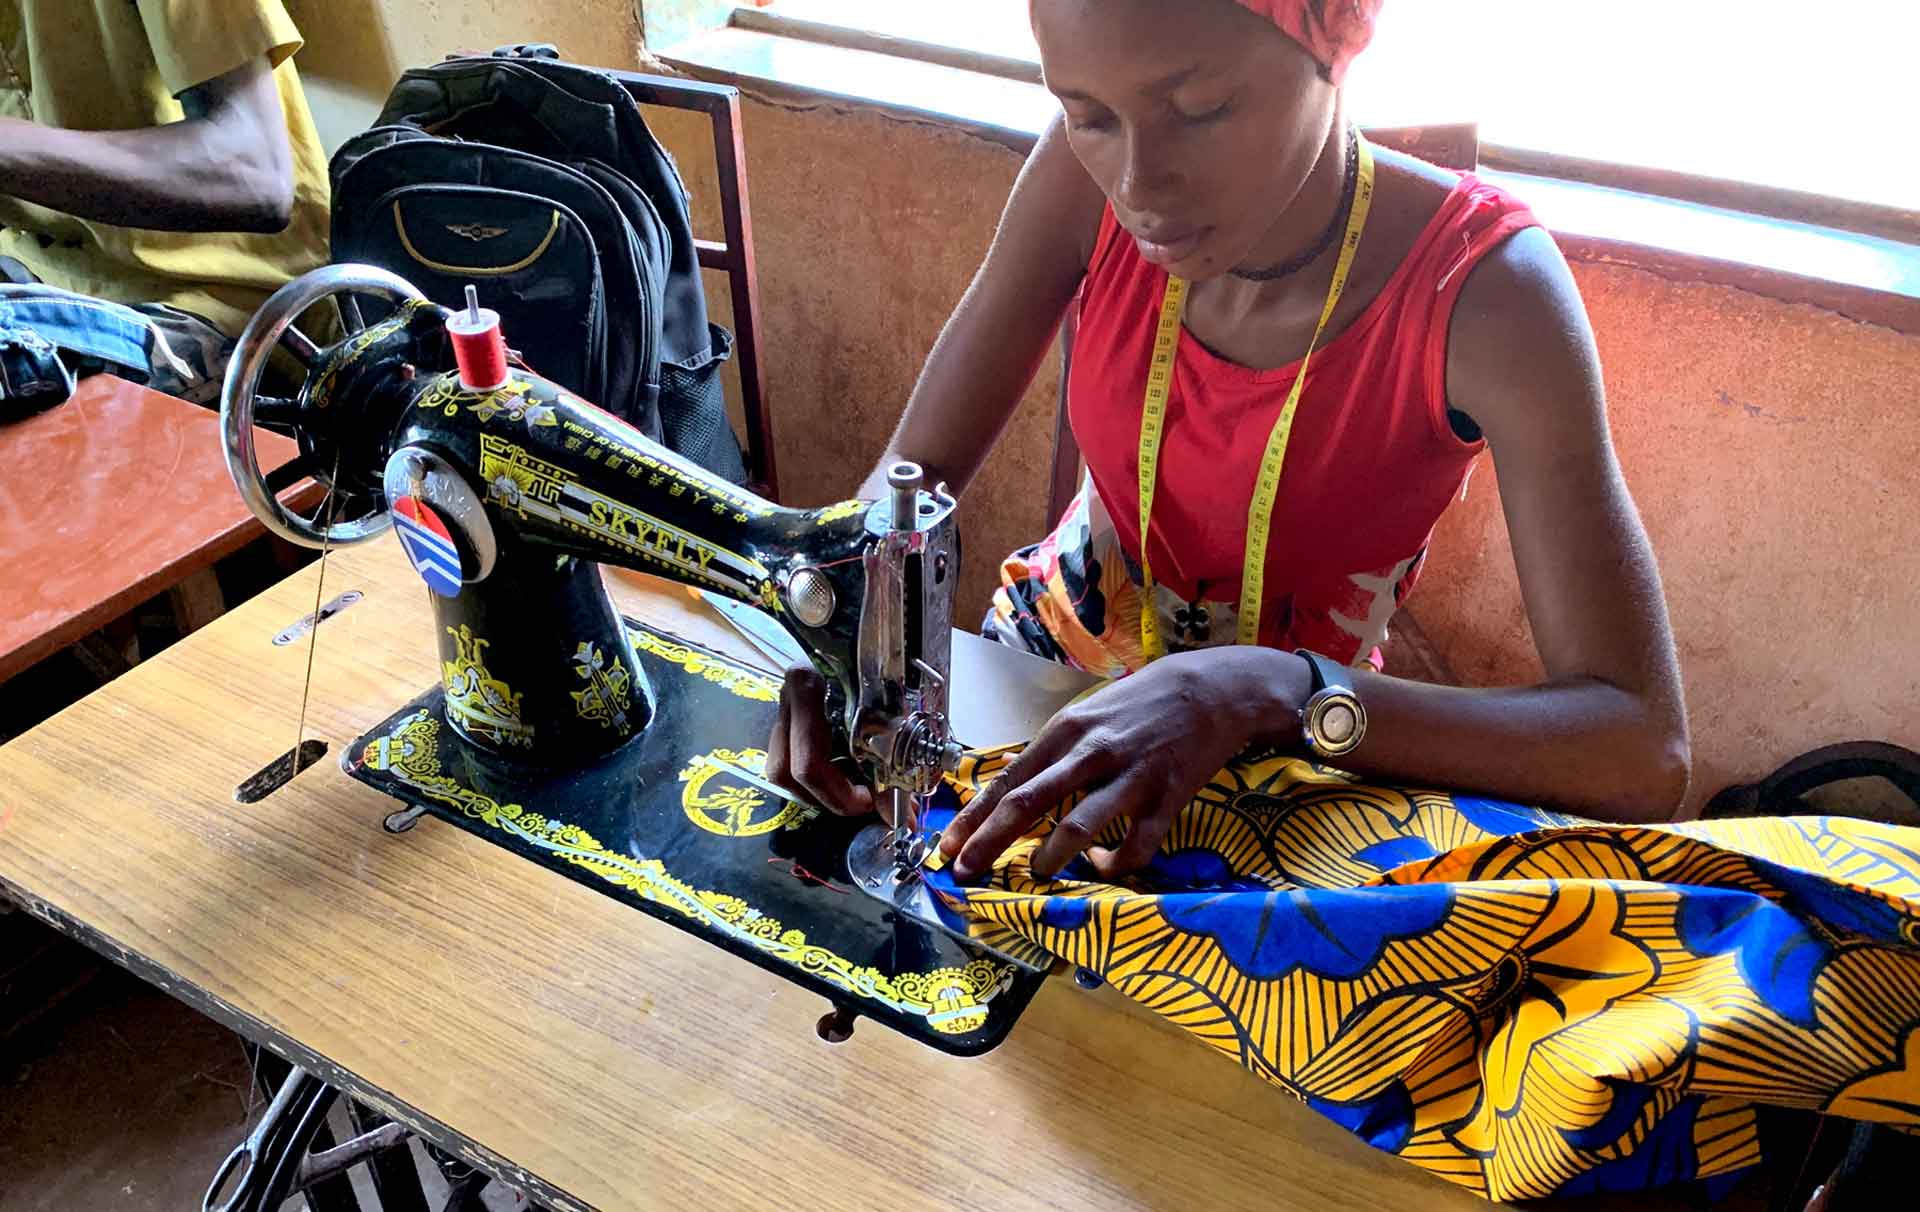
(800, 752)
(1140, 749)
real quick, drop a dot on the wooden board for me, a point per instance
(557, 1039)
(115, 496)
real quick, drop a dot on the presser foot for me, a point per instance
(885, 863)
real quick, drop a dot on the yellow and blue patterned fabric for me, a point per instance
(1522, 1002)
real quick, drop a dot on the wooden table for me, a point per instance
(116, 496)
(554, 1038)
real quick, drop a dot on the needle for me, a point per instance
(909, 851)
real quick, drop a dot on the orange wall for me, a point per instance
(867, 230)
(1774, 451)
(1773, 448)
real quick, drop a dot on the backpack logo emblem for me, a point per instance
(476, 231)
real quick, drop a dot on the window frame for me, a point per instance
(1865, 218)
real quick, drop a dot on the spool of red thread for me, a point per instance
(478, 348)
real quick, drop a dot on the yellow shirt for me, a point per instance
(118, 65)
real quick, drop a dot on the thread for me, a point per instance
(328, 508)
(478, 348)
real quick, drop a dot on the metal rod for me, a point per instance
(905, 832)
(905, 480)
(319, 1167)
(748, 776)
(403, 820)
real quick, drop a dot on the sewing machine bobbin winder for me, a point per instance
(620, 755)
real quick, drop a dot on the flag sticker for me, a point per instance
(428, 544)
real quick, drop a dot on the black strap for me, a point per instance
(1779, 794)
(1327, 673)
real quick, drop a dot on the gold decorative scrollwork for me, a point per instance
(952, 1001)
(484, 706)
(734, 678)
(609, 690)
(720, 801)
(513, 477)
(517, 400)
(839, 512)
(344, 354)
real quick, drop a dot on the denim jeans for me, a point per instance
(169, 350)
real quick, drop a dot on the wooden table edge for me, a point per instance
(98, 615)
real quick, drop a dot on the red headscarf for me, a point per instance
(1332, 31)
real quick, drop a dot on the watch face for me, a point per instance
(1335, 722)
(1338, 723)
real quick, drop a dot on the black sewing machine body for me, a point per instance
(537, 488)
(620, 755)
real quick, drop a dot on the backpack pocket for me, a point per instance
(693, 408)
(532, 259)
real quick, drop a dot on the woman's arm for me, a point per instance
(1605, 735)
(973, 380)
(997, 337)
(227, 167)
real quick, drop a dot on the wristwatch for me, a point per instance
(1332, 722)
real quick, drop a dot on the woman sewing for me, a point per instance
(1344, 329)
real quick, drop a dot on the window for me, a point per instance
(1816, 98)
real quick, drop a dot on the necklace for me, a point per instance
(1308, 256)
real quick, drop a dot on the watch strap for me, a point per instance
(1327, 674)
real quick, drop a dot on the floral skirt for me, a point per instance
(1521, 1002)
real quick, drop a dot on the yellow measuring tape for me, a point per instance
(1153, 421)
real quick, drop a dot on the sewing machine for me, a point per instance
(625, 757)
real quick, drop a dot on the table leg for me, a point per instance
(109, 652)
(197, 601)
(331, 1195)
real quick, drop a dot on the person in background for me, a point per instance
(157, 154)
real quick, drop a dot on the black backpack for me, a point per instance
(539, 182)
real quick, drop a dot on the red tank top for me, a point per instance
(1373, 459)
